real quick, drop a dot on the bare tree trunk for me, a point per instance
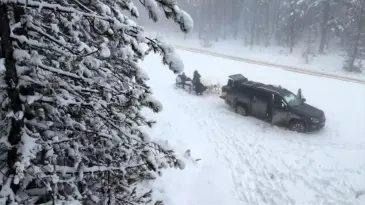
(217, 21)
(292, 30)
(357, 39)
(253, 23)
(267, 25)
(220, 20)
(11, 78)
(276, 24)
(308, 51)
(291, 45)
(224, 19)
(236, 12)
(324, 29)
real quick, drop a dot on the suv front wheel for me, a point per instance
(297, 126)
(241, 109)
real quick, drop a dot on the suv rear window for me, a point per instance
(246, 90)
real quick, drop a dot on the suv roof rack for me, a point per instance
(252, 83)
(273, 88)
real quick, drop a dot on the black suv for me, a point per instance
(273, 104)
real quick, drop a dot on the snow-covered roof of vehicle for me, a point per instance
(238, 77)
(257, 85)
(274, 89)
(252, 84)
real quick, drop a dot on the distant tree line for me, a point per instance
(322, 25)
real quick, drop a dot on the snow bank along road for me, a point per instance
(267, 64)
(248, 162)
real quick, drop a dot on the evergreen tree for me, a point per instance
(355, 35)
(289, 23)
(71, 95)
(308, 54)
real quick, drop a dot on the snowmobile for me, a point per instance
(188, 85)
(184, 83)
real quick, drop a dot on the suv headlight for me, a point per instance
(315, 120)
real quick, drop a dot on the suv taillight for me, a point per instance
(224, 94)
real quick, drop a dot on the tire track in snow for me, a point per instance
(253, 182)
(328, 193)
(187, 109)
(257, 181)
(258, 186)
(260, 175)
(242, 149)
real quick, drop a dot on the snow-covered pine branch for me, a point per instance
(71, 100)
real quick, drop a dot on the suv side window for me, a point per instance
(236, 87)
(279, 102)
(261, 95)
(246, 90)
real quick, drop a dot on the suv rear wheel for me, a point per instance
(241, 109)
(297, 126)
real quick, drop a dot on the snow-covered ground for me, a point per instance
(245, 161)
(329, 63)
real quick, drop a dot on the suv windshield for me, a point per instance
(292, 99)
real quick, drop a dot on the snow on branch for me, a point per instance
(170, 57)
(56, 8)
(80, 91)
(171, 10)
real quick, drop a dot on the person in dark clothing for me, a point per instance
(269, 107)
(196, 78)
(199, 87)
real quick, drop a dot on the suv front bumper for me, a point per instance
(315, 126)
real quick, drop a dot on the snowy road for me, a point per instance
(276, 65)
(246, 161)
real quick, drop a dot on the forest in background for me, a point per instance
(321, 26)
